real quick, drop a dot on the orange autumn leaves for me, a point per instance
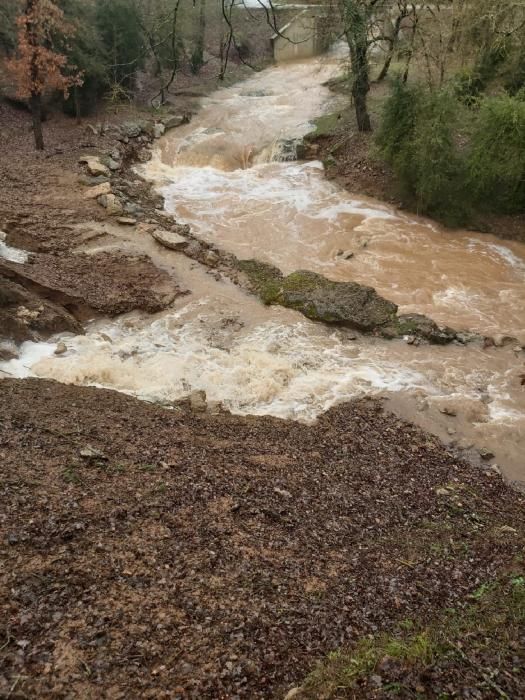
(39, 65)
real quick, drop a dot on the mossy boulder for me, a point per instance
(265, 279)
(419, 326)
(344, 303)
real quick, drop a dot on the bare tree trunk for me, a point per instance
(410, 52)
(36, 112)
(76, 99)
(393, 43)
(356, 18)
(201, 38)
(361, 81)
(35, 101)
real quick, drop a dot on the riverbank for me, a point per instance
(351, 160)
(181, 554)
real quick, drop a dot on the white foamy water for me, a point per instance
(289, 371)
(215, 175)
(12, 254)
(30, 353)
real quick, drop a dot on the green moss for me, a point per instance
(326, 125)
(266, 279)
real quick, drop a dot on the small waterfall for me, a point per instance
(282, 151)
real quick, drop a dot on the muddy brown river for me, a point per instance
(227, 174)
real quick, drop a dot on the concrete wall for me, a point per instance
(302, 37)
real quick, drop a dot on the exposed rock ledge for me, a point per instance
(342, 303)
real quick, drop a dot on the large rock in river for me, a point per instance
(344, 303)
(420, 326)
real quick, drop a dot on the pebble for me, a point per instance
(126, 221)
(448, 411)
(61, 348)
(486, 454)
(89, 452)
(198, 401)
(293, 693)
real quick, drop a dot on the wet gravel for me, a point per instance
(164, 554)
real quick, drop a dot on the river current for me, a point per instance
(227, 175)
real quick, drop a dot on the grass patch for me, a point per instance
(328, 124)
(491, 622)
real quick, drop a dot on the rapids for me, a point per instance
(226, 175)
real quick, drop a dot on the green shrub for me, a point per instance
(437, 163)
(418, 138)
(496, 162)
(398, 121)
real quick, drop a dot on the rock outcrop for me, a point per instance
(343, 303)
(419, 326)
(24, 315)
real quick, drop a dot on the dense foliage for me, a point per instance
(451, 160)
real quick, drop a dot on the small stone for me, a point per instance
(501, 341)
(507, 529)
(61, 348)
(451, 431)
(12, 539)
(484, 453)
(448, 411)
(111, 203)
(89, 452)
(126, 221)
(518, 348)
(131, 130)
(193, 250)
(143, 228)
(8, 351)
(282, 492)
(158, 130)
(90, 181)
(113, 164)
(376, 680)
(442, 492)
(198, 401)
(94, 165)
(293, 693)
(144, 155)
(170, 239)
(174, 121)
(349, 255)
(98, 191)
(410, 339)
(211, 258)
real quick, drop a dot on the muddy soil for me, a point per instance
(44, 210)
(155, 553)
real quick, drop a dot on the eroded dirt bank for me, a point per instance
(155, 553)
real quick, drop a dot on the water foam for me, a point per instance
(289, 371)
(12, 254)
